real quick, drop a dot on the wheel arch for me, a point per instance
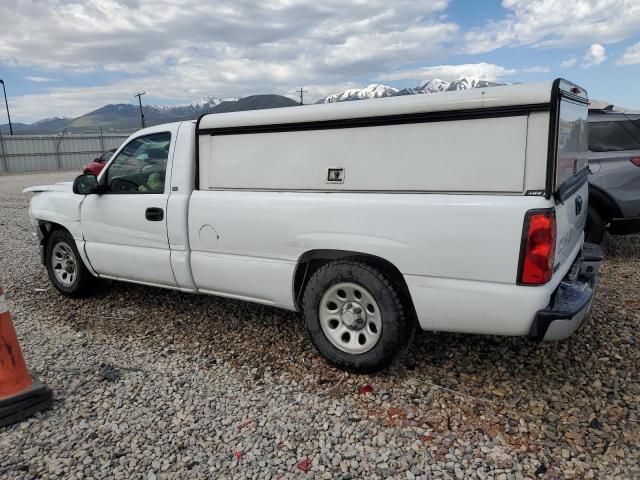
(312, 260)
(46, 228)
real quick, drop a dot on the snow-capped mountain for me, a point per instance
(51, 124)
(467, 83)
(197, 107)
(50, 120)
(375, 90)
(434, 86)
(431, 86)
(206, 102)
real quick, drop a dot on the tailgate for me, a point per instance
(570, 171)
(571, 217)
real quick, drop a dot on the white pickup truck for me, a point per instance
(459, 212)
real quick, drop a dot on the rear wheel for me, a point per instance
(595, 229)
(65, 267)
(355, 316)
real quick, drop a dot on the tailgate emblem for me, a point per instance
(578, 204)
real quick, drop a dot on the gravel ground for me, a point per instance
(157, 384)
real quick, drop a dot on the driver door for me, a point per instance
(125, 228)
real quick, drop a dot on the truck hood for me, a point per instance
(56, 187)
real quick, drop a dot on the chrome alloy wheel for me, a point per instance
(65, 265)
(350, 318)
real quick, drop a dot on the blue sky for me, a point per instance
(67, 57)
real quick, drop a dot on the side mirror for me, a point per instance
(86, 184)
(97, 160)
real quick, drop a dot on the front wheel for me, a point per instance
(65, 267)
(355, 316)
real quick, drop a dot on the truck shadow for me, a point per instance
(625, 247)
(250, 336)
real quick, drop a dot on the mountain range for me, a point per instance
(376, 90)
(126, 117)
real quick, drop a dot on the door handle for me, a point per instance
(154, 214)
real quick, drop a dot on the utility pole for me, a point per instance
(301, 93)
(139, 95)
(7, 105)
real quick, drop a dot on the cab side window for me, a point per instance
(141, 166)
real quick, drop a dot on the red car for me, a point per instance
(98, 164)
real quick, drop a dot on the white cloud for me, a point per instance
(595, 55)
(631, 56)
(557, 23)
(130, 35)
(569, 62)
(179, 84)
(384, 49)
(482, 71)
(537, 69)
(41, 79)
(179, 49)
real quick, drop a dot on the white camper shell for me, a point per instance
(460, 211)
(423, 143)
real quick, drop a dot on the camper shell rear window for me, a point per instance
(572, 141)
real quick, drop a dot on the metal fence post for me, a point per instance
(101, 139)
(58, 149)
(4, 157)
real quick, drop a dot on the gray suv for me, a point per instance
(614, 185)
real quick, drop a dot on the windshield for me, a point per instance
(572, 140)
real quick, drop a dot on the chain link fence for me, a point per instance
(30, 153)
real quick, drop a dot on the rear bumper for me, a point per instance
(571, 301)
(624, 226)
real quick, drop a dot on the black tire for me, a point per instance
(82, 283)
(398, 325)
(595, 229)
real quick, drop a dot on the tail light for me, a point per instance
(537, 253)
(635, 161)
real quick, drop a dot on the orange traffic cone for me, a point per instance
(21, 394)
